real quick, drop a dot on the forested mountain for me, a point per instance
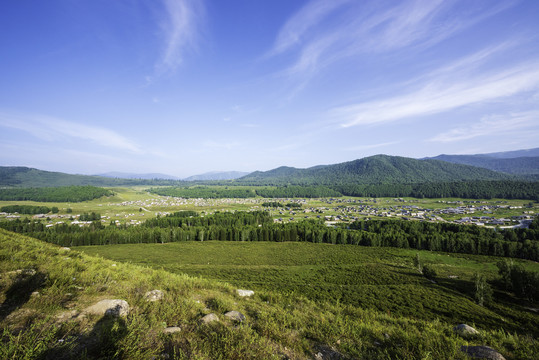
(217, 175)
(523, 165)
(18, 176)
(513, 154)
(379, 169)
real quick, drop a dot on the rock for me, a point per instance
(465, 330)
(114, 307)
(243, 293)
(326, 353)
(482, 352)
(209, 319)
(172, 330)
(154, 295)
(65, 249)
(67, 315)
(235, 316)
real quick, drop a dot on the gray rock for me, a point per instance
(209, 319)
(67, 315)
(482, 352)
(465, 330)
(326, 353)
(154, 295)
(235, 316)
(247, 293)
(112, 307)
(65, 249)
(172, 330)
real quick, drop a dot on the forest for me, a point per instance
(477, 189)
(54, 194)
(259, 226)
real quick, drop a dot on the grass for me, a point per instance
(277, 325)
(382, 279)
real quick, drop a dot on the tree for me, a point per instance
(417, 262)
(483, 290)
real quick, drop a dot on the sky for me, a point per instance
(184, 87)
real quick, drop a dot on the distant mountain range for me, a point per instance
(214, 175)
(521, 162)
(121, 175)
(217, 175)
(379, 169)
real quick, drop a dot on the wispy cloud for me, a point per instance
(324, 32)
(443, 92)
(182, 27)
(53, 129)
(489, 126)
(306, 18)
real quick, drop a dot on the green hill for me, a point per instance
(47, 295)
(18, 176)
(379, 169)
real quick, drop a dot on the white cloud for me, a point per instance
(442, 93)
(52, 129)
(181, 27)
(489, 126)
(301, 22)
(324, 32)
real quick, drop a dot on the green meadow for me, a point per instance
(381, 279)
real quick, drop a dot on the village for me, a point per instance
(330, 210)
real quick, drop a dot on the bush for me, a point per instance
(429, 272)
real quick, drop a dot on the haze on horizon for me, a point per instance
(187, 87)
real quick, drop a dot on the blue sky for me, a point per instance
(186, 87)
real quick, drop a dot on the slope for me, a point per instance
(379, 169)
(46, 289)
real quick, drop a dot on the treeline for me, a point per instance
(258, 226)
(29, 209)
(204, 192)
(186, 219)
(298, 192)
(54, 194)
(522, 282)
(478, 189)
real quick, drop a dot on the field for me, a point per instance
(382, 279)
(364, 302)
(132, 205)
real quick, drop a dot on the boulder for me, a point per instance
(465, 330)
(111, 307)
(482, 352)
(209, 319)
(247, 293)
(235, 316)
(154, 295)
(172, 330)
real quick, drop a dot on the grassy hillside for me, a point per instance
(383, 279)
(379, 169)
(44, 290)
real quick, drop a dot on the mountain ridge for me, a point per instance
(375, 170)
